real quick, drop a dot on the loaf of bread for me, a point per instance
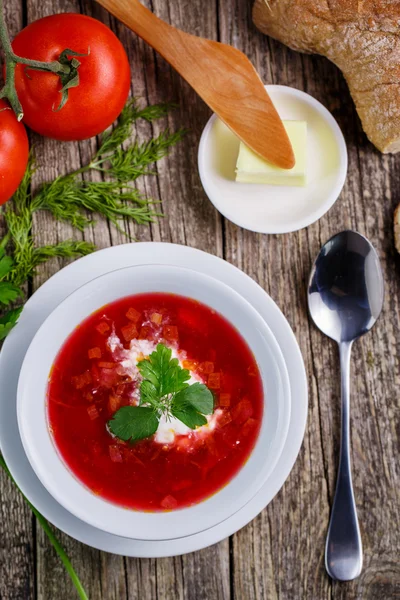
(362, 37)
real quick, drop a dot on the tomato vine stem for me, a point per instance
(65, 68)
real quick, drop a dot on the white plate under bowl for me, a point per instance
(271, 208)
(39, 445)
(56, 289)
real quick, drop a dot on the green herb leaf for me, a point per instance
(6, 262)
(127, 165)
(196, 396)
(163, 374)
(165, 388)
(134, 423)
(65, 249)
(148, 394)
(189, 416)
(8, 321)
(8, 292)
(112, 138)
(190, 404)
(67, 197)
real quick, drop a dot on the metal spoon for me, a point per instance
(345, 298)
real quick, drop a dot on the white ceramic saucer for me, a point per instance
(271, 208)
(48, 297)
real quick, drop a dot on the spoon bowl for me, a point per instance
(345, 298)
(346, 287)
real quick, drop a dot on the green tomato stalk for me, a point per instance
(66, 67)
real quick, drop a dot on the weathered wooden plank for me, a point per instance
(154, 578)
(52, 159)
(206, 574)
(17, 532)
(17, 545)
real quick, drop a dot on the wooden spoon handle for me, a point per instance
(167, 40)
(222, 76)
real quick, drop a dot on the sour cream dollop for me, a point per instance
(169, 427)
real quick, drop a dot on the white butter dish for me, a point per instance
(268, 208)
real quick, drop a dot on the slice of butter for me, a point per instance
(250, 168)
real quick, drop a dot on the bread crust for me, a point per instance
(362, 38)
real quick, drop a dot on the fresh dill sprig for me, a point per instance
(128, 165)
(9, 292)
(19, 219)
(115, 198)
(64, 249)
(67, 197)
(19, 224)
(113, 138)
(70, 198)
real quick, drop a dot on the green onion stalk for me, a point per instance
(54, 541)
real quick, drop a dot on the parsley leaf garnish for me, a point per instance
(8, 292)
(6, 263)
(162, 375)
(132, 423)
(8, 321)
(197, 396)
(189, 416)
(163, 391)
(190, 404)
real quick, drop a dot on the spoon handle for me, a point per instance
(167, 40)
(343, 552)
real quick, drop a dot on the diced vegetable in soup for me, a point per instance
(155, 402)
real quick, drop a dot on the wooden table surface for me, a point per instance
(281, 553)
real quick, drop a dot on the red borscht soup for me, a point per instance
(95, 375)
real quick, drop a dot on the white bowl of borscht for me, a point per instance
(153, 402)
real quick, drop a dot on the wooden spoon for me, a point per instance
(222, 76)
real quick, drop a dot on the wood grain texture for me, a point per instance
(280, 555)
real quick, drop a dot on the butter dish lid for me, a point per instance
(268, 208)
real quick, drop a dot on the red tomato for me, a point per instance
(104, 77)
(14, 150)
